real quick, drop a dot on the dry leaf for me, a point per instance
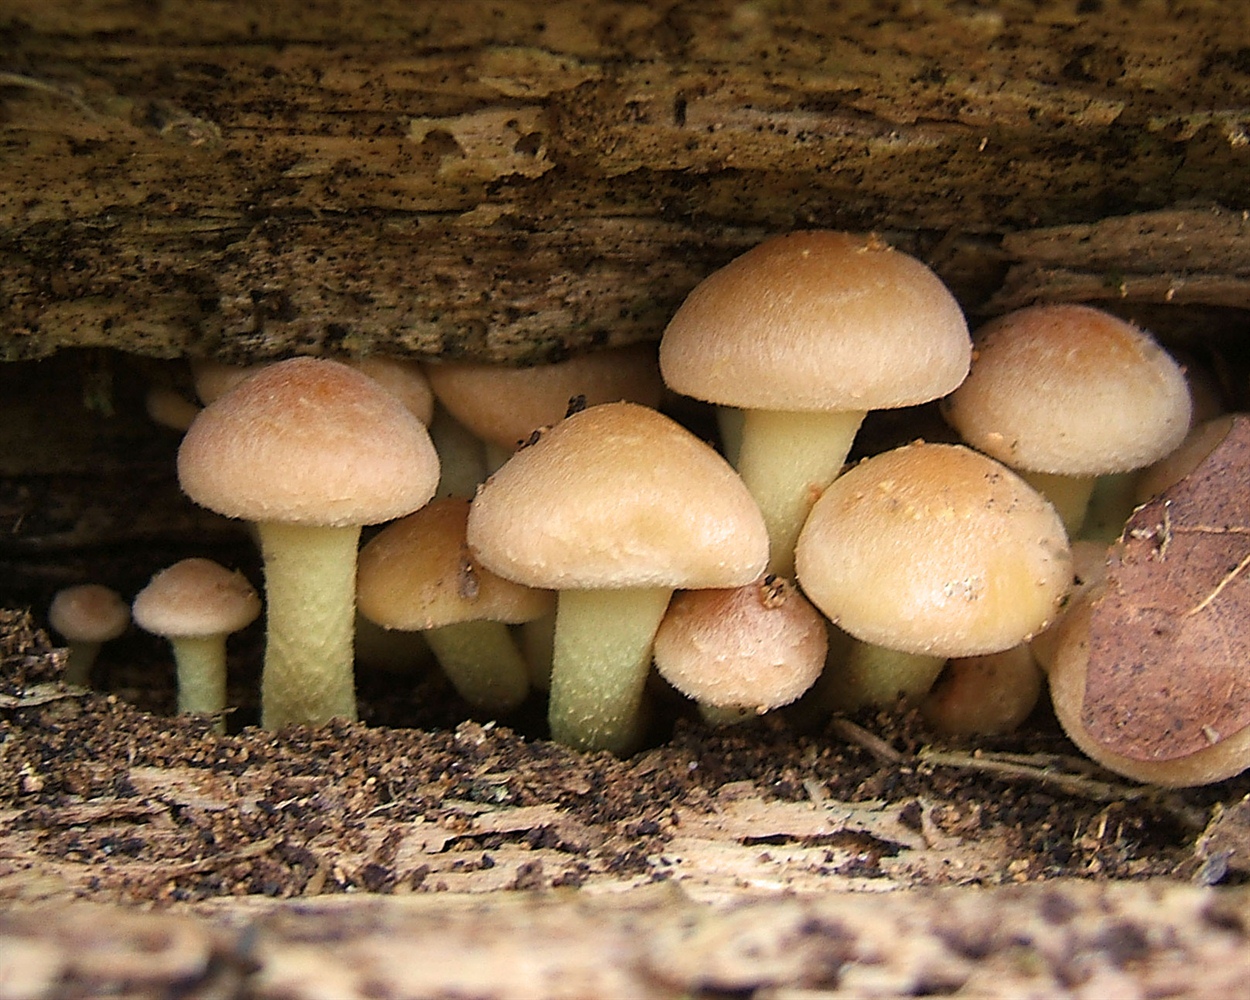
(1169, 647)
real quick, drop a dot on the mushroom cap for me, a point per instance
(1067, 676)
(308, 441)
(758, 646)
(1070, 390)
(817, 320)
(88, 612)
(934, 549)
(503, 406)
(404, 379)
(417, 573)
(196, 598)
(618, 496)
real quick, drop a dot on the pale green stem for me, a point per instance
(859, 674)
(538, 640)
(729, 420)
(1068, 494)
(1110, 506)
(310, 601)
(461, 456)
(602, 657)
(787, 461)
(201, 662)
(496, 456)
(483, 664)
(723, 716)
(78, 664)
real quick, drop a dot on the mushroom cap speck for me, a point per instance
(618, 496)
(308, 441)
(934, 549)
(196, 598)
(817, 321)
(1070, 390)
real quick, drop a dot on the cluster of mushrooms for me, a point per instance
(538, 544)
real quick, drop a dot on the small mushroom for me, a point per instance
(417, 574)
(984, 695)
(310, 450)
(806, 333)
(742, 651)
(87, 615)
(196, 604)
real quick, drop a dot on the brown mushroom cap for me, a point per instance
(618, 496)
(817, 320)
(503, 405)
(934, 549)
(1070, 390)
(1067, 677)
(196, 597)
(308, 441)
(417, 574)
(88, 612)
(758, 646)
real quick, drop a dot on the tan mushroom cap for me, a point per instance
(758, 646)
(1067, 677)
(503, 405)
(1070, 390)
(817, 320)
(196, 597)
(934, 549)
(618, 496)
(88, 612)
(417, 573)
(308, 441)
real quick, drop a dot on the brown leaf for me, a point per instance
(1169, 661)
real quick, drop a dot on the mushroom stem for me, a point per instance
(78, 664)
(876, 676)
(538, 644)
(602, 656)
(310, 595)
(724, 716)
(1069, 495)
(787, 459)
(482, 662)
(201, 663)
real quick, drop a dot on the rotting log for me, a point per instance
(513, 181)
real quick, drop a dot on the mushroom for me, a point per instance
(1067, 676)
(87, 615)
(417, 574)
(936, 550)
(196, 604)
(742, 651)
(503, 406)
(1067, 393)
(614, 507)
(806, 332)
(984, 695)
(310, 450)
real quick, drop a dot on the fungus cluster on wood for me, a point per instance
(930, 572)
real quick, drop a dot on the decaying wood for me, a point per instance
(517, 180)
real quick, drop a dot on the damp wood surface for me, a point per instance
(514, 181)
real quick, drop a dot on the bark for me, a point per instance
(514, 181)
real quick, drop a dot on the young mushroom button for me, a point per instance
(614, 507)
(805, 333)
(196, 604)
(310, 450)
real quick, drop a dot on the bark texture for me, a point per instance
(514, 181)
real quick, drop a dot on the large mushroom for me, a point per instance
(806, 333)
(937, 551)
(310, 450)
(615, 507)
